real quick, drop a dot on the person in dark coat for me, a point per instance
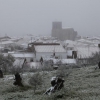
(53, 81)
(18, 80)
(41, 60)
(99, 64)
(57, 84)
(1, 74)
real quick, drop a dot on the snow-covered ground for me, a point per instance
(81, 84)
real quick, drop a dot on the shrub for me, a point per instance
(47, 68)
(7, 62)
(36, 81)
(63, 71)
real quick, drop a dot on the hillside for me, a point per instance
(81, 84)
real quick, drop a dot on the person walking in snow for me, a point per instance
(18, 80)
(99, 64)
(1, 74)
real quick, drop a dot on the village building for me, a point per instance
(7, 43)
(23, 55)
(5, 38)
(45, 51)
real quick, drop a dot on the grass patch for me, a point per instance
(17, 89)
(93, 75)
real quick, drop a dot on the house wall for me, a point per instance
(50, 54)
(7, 45)
(28, 56)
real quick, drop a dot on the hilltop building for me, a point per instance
(63, 33)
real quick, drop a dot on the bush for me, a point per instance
(36, 81)
(63, 71)
(47, 68)
(7, 62)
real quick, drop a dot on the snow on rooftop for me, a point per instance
(84, 41)
(49, 48)
(69, 41)
(6, 42)
(94, 38)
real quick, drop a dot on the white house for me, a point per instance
(85, 48)
(22, 55)
(49, 51)
(6, 43)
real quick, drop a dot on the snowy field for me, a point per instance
(81, 84)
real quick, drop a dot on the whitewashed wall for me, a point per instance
(62, 55)
(28, 56)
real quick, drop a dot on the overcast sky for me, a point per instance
(19, 17)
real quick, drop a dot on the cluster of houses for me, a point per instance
(49, 48)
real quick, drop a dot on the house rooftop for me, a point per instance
(5, 37)
(49, 48)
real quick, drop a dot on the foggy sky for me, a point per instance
(19, 17)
